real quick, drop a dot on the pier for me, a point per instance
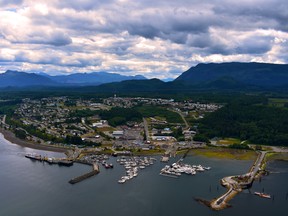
(236, 184)
(59, 161)
(86, 175)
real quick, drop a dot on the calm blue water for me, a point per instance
(35, 188)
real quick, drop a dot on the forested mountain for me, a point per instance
(237, 74)
(20, 79)
(23, 79)
(93, 78)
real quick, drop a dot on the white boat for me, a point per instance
(121, 181)
(263, 195)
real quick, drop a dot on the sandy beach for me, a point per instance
(8, 135)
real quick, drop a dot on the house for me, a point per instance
(118, 134)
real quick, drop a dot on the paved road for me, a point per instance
(257, 165)
(146, 129)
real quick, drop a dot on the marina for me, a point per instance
(178, 168)
(133, 165)
(147, 194)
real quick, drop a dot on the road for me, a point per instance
(183, 118)
(280, 149)
(257, 165)
(146, 129)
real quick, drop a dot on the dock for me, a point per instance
(78, 179)
(59, 161)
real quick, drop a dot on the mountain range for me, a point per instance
(233, 76)
(212, 76)
(23, 79)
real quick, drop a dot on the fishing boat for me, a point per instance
(263, 195)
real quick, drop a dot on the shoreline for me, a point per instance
(10, 136)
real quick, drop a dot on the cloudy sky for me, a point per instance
(155, 38)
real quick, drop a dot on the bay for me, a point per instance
(35, 188)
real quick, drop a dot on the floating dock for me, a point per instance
(78, 179)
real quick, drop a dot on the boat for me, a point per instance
(106, 166)
(65, 163)
(263, 195)
(33, 156)
(121, 181)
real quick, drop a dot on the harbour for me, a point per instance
(147, 194)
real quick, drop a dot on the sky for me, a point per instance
(154, 38)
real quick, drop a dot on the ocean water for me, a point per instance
(34, 188)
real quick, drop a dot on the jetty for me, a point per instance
(49, 160)
(94, 171)
(236, 184)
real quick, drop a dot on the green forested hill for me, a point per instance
(256, 123)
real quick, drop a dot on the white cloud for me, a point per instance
(154, 38)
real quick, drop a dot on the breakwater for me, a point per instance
(235, 184)
(86, 175)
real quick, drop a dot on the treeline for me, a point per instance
(21, 129)
(8, 107)
(119, 116)
(258, 124)
(30, 129)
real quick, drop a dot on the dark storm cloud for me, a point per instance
(51, 38)
(254, 45)
(56, 39)
(262, 14)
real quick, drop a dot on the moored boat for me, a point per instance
(65, 163)
(33, 156)
(264, 195)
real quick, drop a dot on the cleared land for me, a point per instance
(225, 153)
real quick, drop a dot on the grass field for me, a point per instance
(277, 156)
(228, 141)
(278, 102)
(225, 153)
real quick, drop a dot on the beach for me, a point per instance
(10, 136)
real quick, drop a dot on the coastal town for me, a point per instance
(66, 122)
(79, 126)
